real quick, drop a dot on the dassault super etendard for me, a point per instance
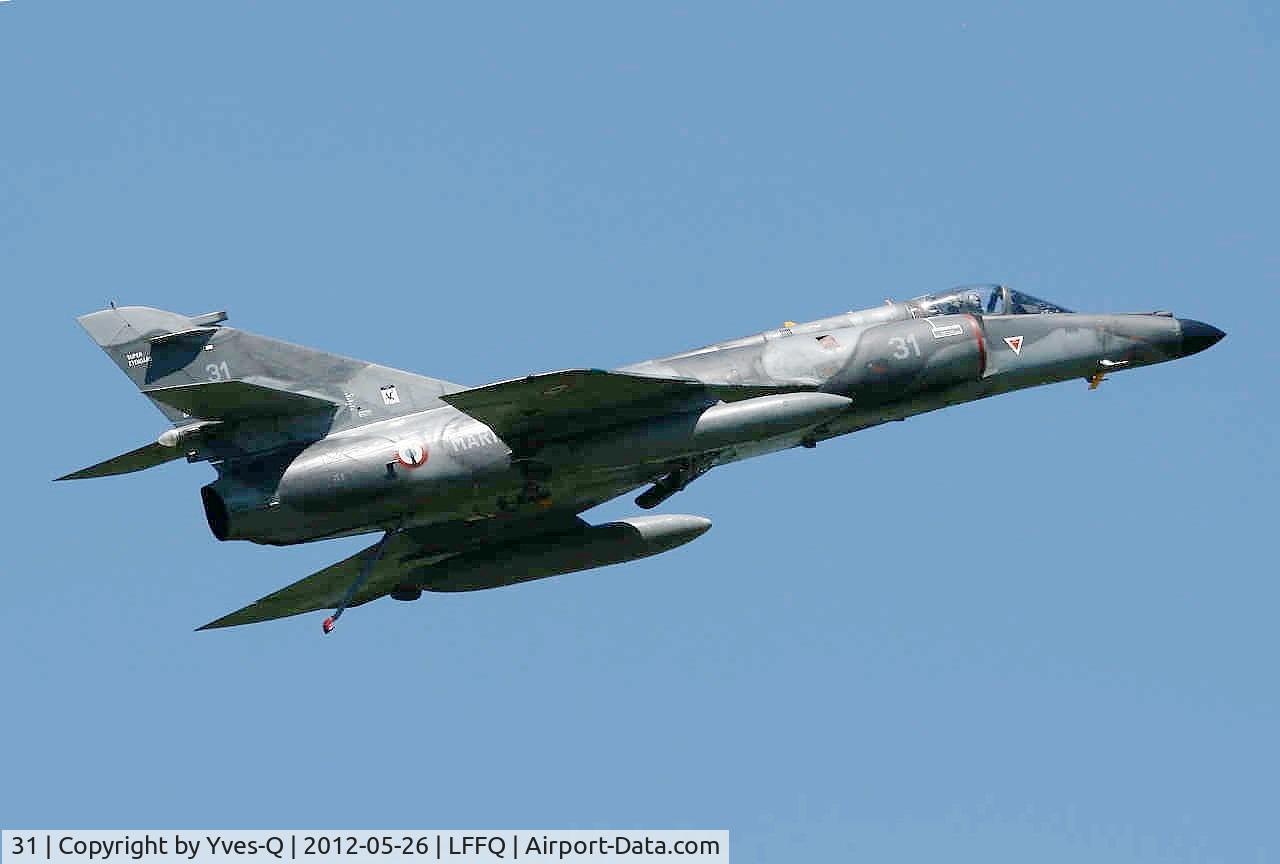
(481, 487)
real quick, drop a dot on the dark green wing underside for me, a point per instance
(405, 556)
(325, 588)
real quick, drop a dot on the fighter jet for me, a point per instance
(475, 488)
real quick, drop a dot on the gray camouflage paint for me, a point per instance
(309, 445)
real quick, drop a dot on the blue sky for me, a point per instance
(1037, 628)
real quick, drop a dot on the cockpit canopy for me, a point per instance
(981, 300)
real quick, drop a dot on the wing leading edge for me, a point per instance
(578, 402)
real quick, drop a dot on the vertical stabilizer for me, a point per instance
(165, 353)
(126, 334)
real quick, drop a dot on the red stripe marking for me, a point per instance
(982, 345)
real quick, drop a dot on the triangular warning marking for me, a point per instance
(1014, 342)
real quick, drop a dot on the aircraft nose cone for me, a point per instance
(1197, 336)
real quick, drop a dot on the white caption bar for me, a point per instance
(387, 847)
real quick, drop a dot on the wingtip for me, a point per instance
(82, 474)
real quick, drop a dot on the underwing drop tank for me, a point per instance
(723, 425)
(542, 556)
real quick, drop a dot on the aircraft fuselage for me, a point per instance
(848, 372)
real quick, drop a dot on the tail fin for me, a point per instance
(192, 366)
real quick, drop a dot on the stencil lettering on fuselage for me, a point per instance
(462, 443)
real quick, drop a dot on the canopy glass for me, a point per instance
(981, 300)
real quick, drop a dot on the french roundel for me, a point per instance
(412, 455)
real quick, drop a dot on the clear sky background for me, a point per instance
(1039, 628)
